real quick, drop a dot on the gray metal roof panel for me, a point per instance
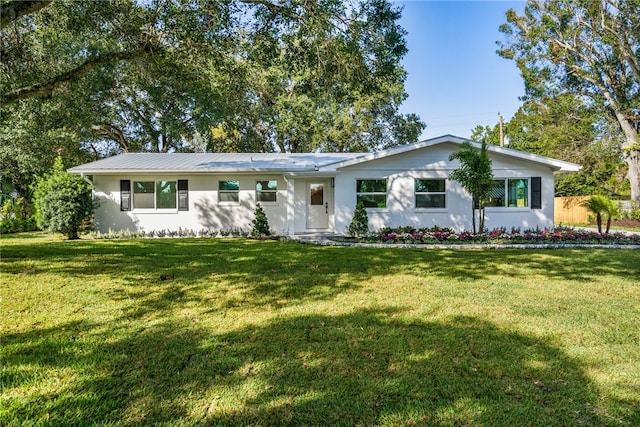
(212, 162)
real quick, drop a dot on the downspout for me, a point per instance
(86, 179)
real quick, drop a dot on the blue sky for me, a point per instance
(456, 80)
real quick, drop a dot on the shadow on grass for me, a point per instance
(272, 270)
(370, 367)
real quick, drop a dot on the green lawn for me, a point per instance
(235, 332)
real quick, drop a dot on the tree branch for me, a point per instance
(269, 5)
(45, 89)
(12, 10)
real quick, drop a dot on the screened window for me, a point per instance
(496, 193)
(430, 193)
(267, 191)
(512, 193)
(372, 192)
(229, 191)
(155, 195)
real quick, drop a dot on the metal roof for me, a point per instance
(213, 162)
(554, 164)
(282, 162)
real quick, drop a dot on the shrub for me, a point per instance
(16, 216)
(63, 202)
(260, 223)
(360, 222)
(602, 207)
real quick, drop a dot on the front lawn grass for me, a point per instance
(239, 332)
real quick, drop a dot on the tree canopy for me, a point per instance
(200, 75)
(564, 127)
(588, 48)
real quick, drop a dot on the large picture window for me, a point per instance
(430, 193)
(267, 191)
(155, 195)
(372, 192)
(510, 193)
(229, 191)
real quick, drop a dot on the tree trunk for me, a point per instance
(631, 154)
(632, 158)
(473, 216)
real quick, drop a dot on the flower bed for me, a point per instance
(437, 235)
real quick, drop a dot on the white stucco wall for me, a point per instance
(289, 214)
(432, 162)
(205, 211)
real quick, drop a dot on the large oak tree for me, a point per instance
(590, 48)
(185, 75)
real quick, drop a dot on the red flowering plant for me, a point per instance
(558, 235)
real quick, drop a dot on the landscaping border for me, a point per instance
(327, 241)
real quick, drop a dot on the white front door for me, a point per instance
(317, 205)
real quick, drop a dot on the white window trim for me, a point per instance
(276, 192)
(507, 208)
(446, 196)
(219, 191)
(386, 193)
(155, 209)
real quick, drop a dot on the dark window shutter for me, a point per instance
(183, 195)
(536, 192)
(125, 195)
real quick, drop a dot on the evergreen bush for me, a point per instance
(63, 202)
(260, 223)
(360, 222)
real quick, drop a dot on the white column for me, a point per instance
(291, 214)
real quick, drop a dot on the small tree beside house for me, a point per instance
(359, 225)
(260, 223)
(63, 202)
(476, 176)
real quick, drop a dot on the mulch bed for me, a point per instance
(631, 223)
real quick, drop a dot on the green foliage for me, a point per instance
(17, 216)
(487, 134)
(589, 50)
(602, 207)
(33, 134)
(564, 127)
(63, 202)
(359, 225)
(475, 175)
(216, 76)
(260, 223)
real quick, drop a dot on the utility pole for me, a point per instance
(501, 131)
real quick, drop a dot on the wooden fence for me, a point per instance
(567, 210)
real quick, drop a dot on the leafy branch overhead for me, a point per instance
(201, 75)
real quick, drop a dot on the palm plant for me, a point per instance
(601, 207)
(475, 175)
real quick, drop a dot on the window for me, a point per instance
(229, 191)
(154, 195)
(266, 191)
(512, 193)
(372, 192)
(430, 193)
(518, 193)
(496, 193)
